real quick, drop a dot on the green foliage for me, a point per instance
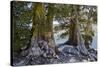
(21, 19)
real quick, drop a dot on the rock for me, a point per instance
(45, 55)
(70, 50)
(35, 51)
(72, 60)
(24, 53)
(93, 56)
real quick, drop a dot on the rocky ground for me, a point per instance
(66, 54)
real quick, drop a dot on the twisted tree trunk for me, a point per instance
(81, 46)
(42, 40)
(75, 37)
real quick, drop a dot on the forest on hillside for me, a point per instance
(35, 24)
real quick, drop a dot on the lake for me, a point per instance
(59, 40)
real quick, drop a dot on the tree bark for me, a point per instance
(42, 30)
(75, 37)
(81, 46)
(72, 29)
(72, 33)
(49, 28)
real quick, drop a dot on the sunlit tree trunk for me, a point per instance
(42, 28)
(38, 24)
(38, 28)
(81, 46)
(49, 27)
(75, 38)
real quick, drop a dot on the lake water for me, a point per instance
(94, 42)
(59, 40)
